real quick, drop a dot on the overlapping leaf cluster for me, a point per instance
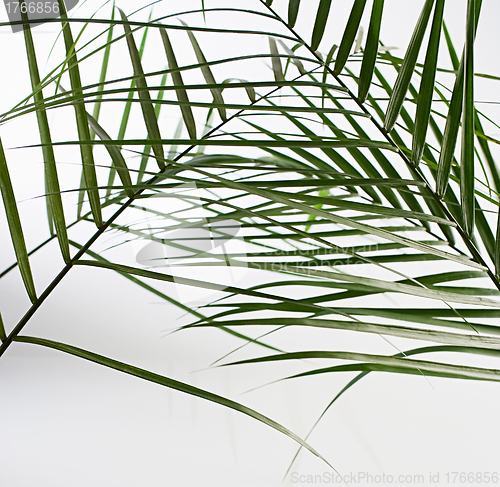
(343, 169)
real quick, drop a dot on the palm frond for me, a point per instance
(331, 180)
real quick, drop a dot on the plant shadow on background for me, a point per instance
(346, 175)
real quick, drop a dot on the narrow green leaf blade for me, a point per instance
(497, 248)
(115, 154)
(104, 67)
(320, 24)
(250, 90)
(187, 113)
(350, 32)
(163, 296)
(371, 50)
(126, 114)
(485, 148)
(427, 85)
(207, 73)
(467, 153)
(167, 382)
(89, 172)
(148, 111)
(54, 201)
(3, 335)
(276, 61)
(450, 133)
(411, 333)
(405, 73)
(454, 117)
(147, 148)
(113, 150)
(293, 11)
(295, 60)
(385, 363)
(16, 231)
(451, 48)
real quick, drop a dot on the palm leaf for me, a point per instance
(55, 207)
(81, 120)
(407, 68)
(331, 193)
(146, 103)
(182, 96)
(467, 157)
(167, 382)
(16, 231)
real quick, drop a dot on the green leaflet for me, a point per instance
(276, 61)
(485, 147)
(181, 280)
(147, 148)
(126, 113)
(434, 293)
(427, 86)
(115, 154)
(475, 341)
(451, 48)
(371, 50)
(3, 335)
(385, 364)
(182, 96)
(453, 119)
(350, 32)
(104, 66)
(336, 143)
(167, 382)
(293, 11)
(497, 247)
(89, 172)
(467, 154)
(146, 104)
(16, 231)
(114, 151)
(207, 74)
(295, 60)
(54, 201)
(407, 68)
(450, 133)
(320, 24)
